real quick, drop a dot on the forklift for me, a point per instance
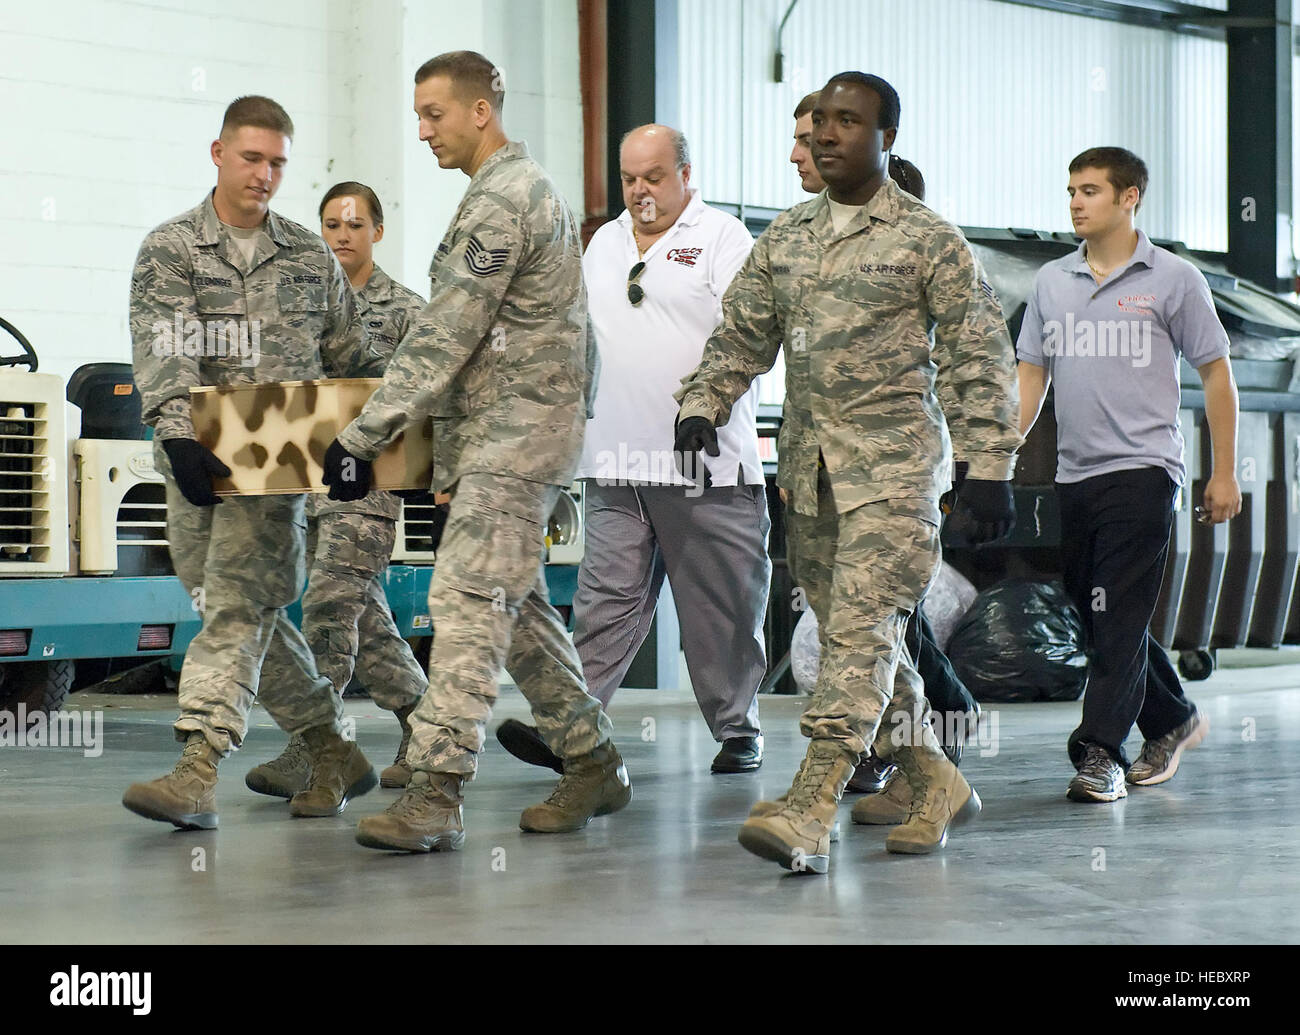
(85, 574)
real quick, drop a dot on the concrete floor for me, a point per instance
(1213, 856)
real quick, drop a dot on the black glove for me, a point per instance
(438, 523)
(193, 467)
(985, 511)
(347, 476)
(694, 434)
(949, 499)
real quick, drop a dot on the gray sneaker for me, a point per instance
(1100, 777)
(1159, 759)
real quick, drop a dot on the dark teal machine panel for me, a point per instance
(89, 617)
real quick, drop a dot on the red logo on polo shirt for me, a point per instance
(686, 256)
(1137, 304)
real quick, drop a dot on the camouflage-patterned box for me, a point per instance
(273, 437)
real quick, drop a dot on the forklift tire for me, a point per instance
(1195, 665)
(39, 685)
(147, 678)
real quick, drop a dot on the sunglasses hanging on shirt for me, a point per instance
(635, 292)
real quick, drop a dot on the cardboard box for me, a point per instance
(273, 437)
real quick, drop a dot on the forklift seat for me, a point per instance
(109, 401)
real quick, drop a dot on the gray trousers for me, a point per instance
(713, 548)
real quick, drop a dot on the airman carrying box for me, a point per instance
(273, 437)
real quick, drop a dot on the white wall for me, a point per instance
(107, 108)
(996, 99)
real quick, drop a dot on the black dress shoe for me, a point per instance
(527, 745)
(871, 775)
(739, 755)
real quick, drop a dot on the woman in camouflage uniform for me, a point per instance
(349, 543)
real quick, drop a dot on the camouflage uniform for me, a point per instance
(349, 545)
(243, 560)
(867, 394)
(502, 359)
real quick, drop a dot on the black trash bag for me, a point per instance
(1021, 640)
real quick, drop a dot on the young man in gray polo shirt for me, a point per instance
(1106, 325)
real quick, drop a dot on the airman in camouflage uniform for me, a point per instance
(216, 304)
(345, 614)
(864, 452)
(502, 360)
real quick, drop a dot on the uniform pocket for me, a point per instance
(227, 334)
(480, 379)
(301, 298)
(218, 289)
(303, 307)
(493, 543)
(216, 301)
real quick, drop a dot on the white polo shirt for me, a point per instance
(646, 350)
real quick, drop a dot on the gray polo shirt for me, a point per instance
(1111, 351)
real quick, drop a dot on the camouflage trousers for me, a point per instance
(243, 563)
(491, 608)
(345, 614)
(863, 574)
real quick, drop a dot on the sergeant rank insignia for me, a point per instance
(483, 262)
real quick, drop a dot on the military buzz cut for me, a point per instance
(259, 112)
(472, 76)
(889, 103)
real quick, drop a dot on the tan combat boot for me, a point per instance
(285, 776)
(941, 797)
(799, 836)
(771, 808)
(426, 818)
(891, 806)
(187, 795)
(339, 772)
(399, 773)
(592, 785)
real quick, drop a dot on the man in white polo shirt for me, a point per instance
(655, 279)
(1106, 325)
